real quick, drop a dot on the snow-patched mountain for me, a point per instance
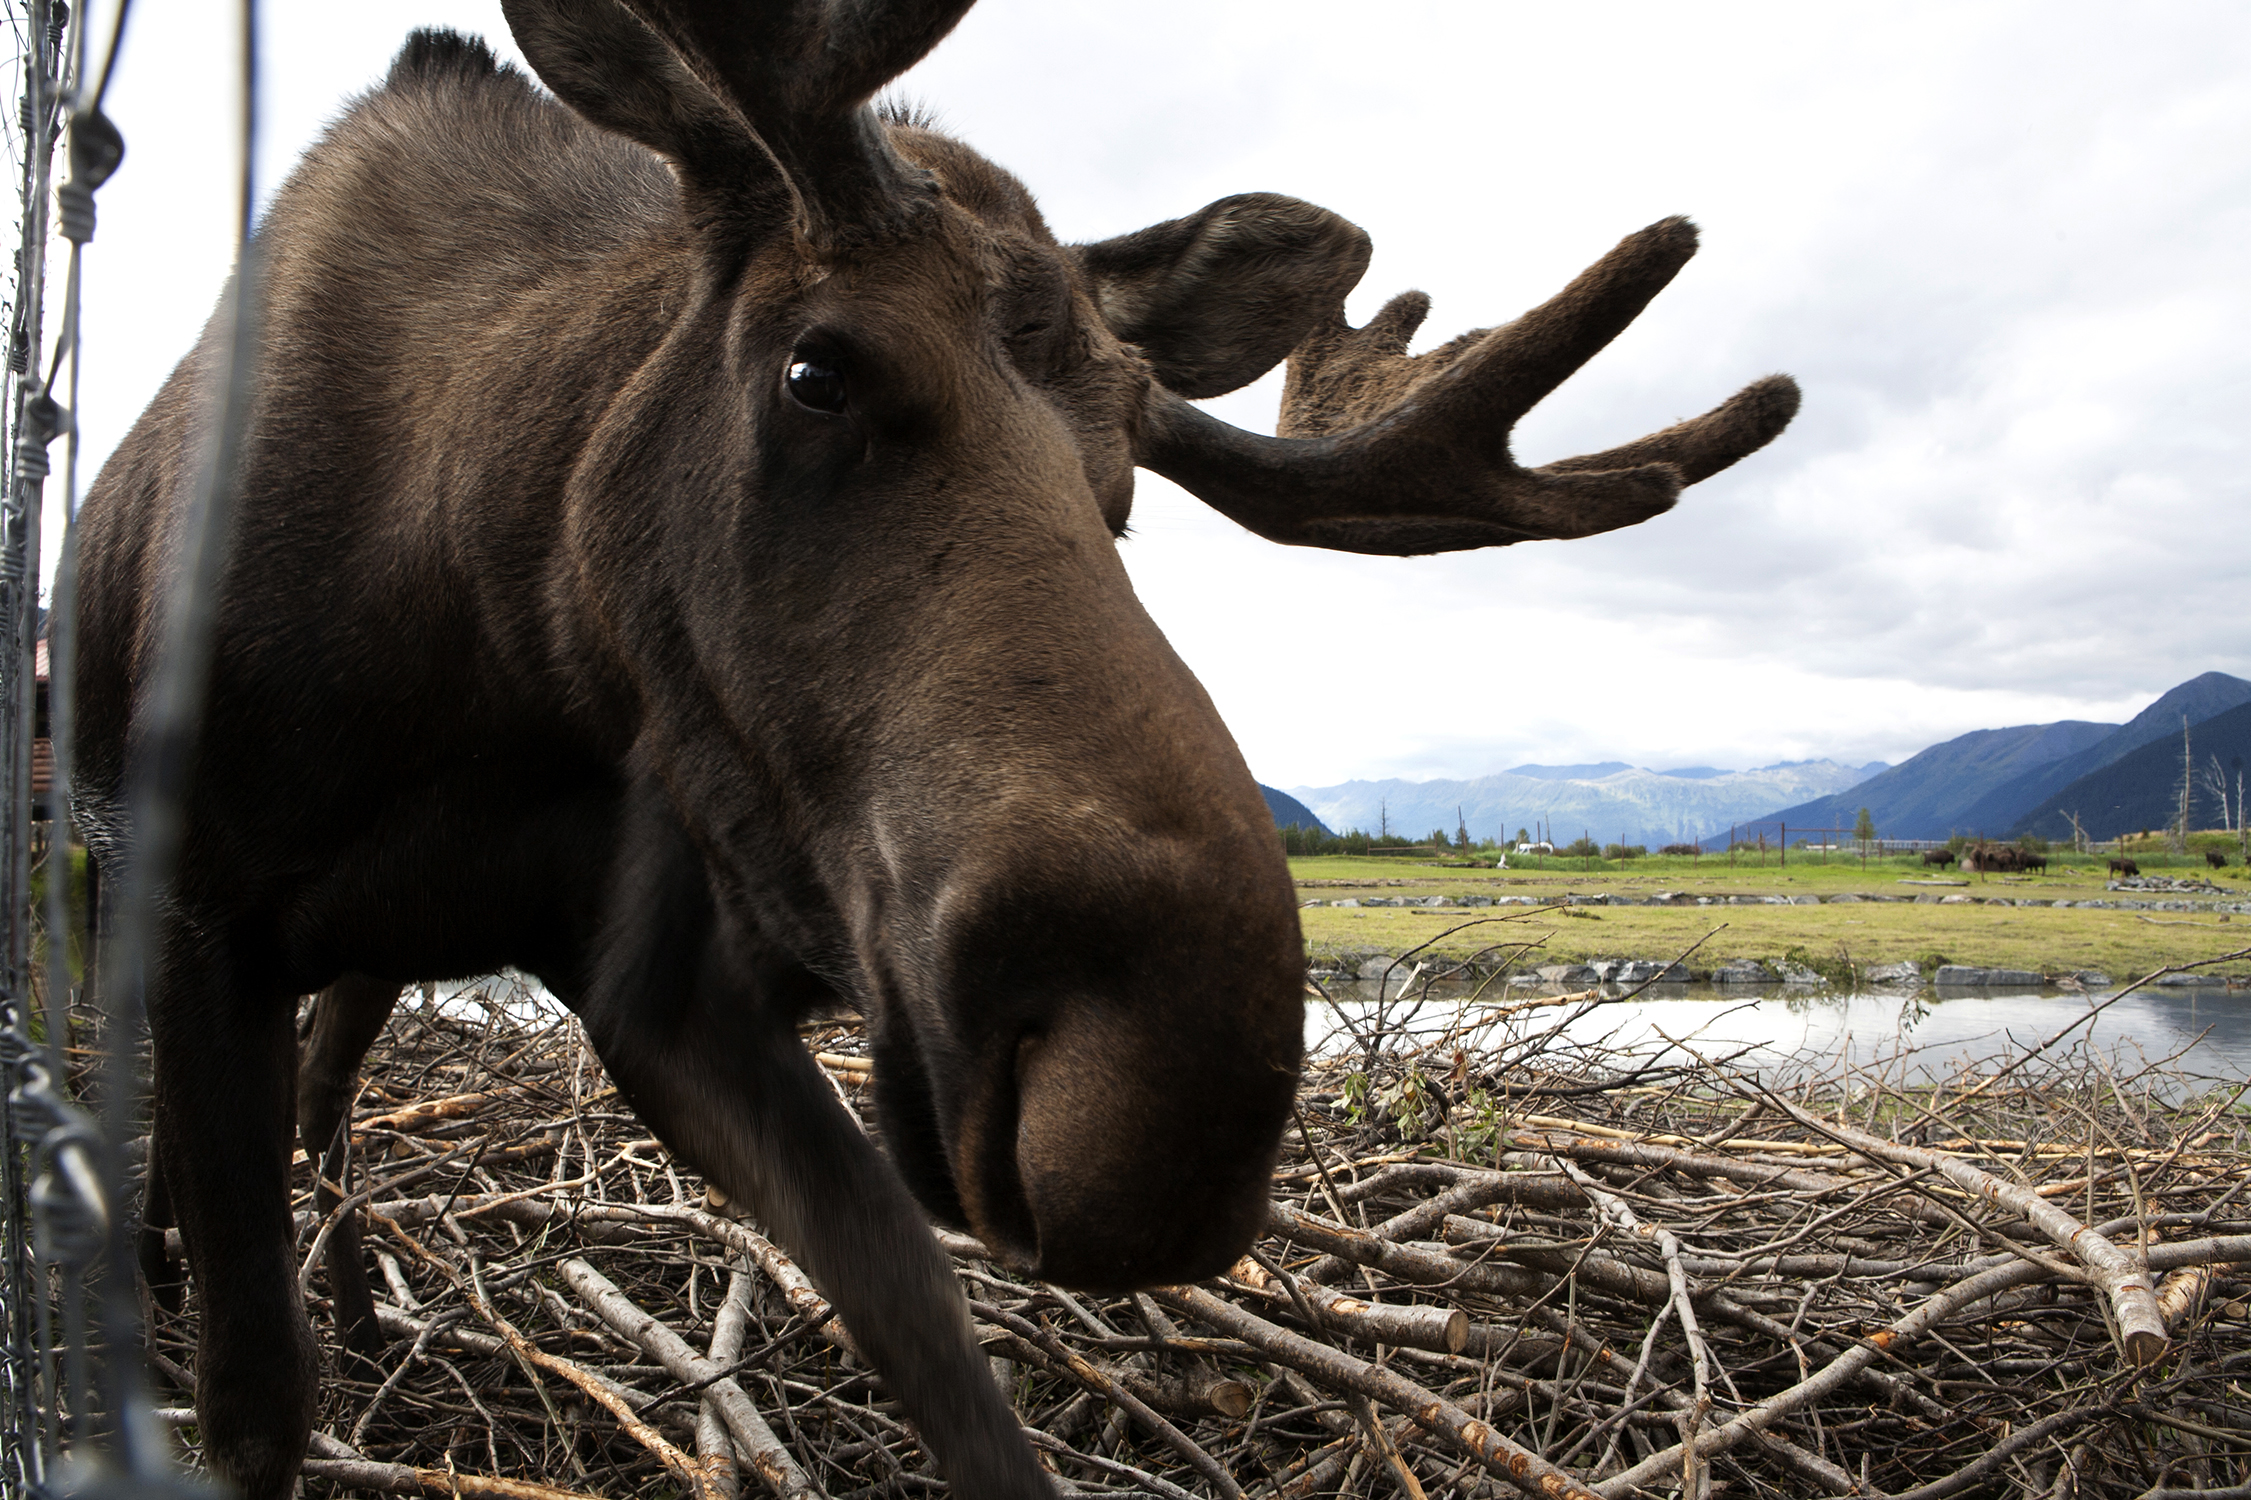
(1625, 804)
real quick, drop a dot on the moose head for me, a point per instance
(881, 457)
(675, 555)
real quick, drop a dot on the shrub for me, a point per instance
(1584, 848)
(1835, 967)
(1679, 849)
(1624, 851)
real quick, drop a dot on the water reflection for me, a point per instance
(1908, 1036)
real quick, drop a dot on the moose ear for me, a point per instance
(1216, 300)
(616, 73)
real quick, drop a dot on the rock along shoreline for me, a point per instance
(1368, 967)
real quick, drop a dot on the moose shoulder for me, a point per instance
(674, 555)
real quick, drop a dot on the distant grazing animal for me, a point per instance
(2215, 859)
(675, 555)
(2001, 858)
(1938, 857)
(2124, 867)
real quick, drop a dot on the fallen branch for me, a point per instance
(1442, 1330)
(2124, 1281)
(1500, 1457)
(1102, 1382)
(753, 1438)
(683, 1468)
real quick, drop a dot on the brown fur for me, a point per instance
(557, 632)
(1992, 858)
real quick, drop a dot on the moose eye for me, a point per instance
(815, 386)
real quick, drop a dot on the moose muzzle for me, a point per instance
(1139, 1160)
(1097, 1083)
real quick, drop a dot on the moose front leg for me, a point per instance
(225, 1068)
(707, 1054)
(738, 1098)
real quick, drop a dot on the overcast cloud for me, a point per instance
(2001, 246)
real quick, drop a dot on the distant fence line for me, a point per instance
(1842, 838)
(1831, 841)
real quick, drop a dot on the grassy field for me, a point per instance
(2123, 944)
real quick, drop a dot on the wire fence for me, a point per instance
(75, 1419)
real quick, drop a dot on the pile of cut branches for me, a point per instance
(1498, 1262)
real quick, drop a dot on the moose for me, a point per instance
(674, 554)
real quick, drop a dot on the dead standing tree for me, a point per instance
(2215, 779)
(2186, 793)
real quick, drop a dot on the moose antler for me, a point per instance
(1396, 454)
(801, 73)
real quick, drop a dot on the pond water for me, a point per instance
(2197, 1035)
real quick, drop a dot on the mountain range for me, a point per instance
(2001, 782)
(1998, 783)
(2141, 789)
(1610, 801)
(2199, 700)
(1289, 812)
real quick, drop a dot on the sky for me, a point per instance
(2001, 246)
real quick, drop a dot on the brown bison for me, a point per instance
(2215, 859)
(2002, 859)
(1938, 858)
(2124, 867)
